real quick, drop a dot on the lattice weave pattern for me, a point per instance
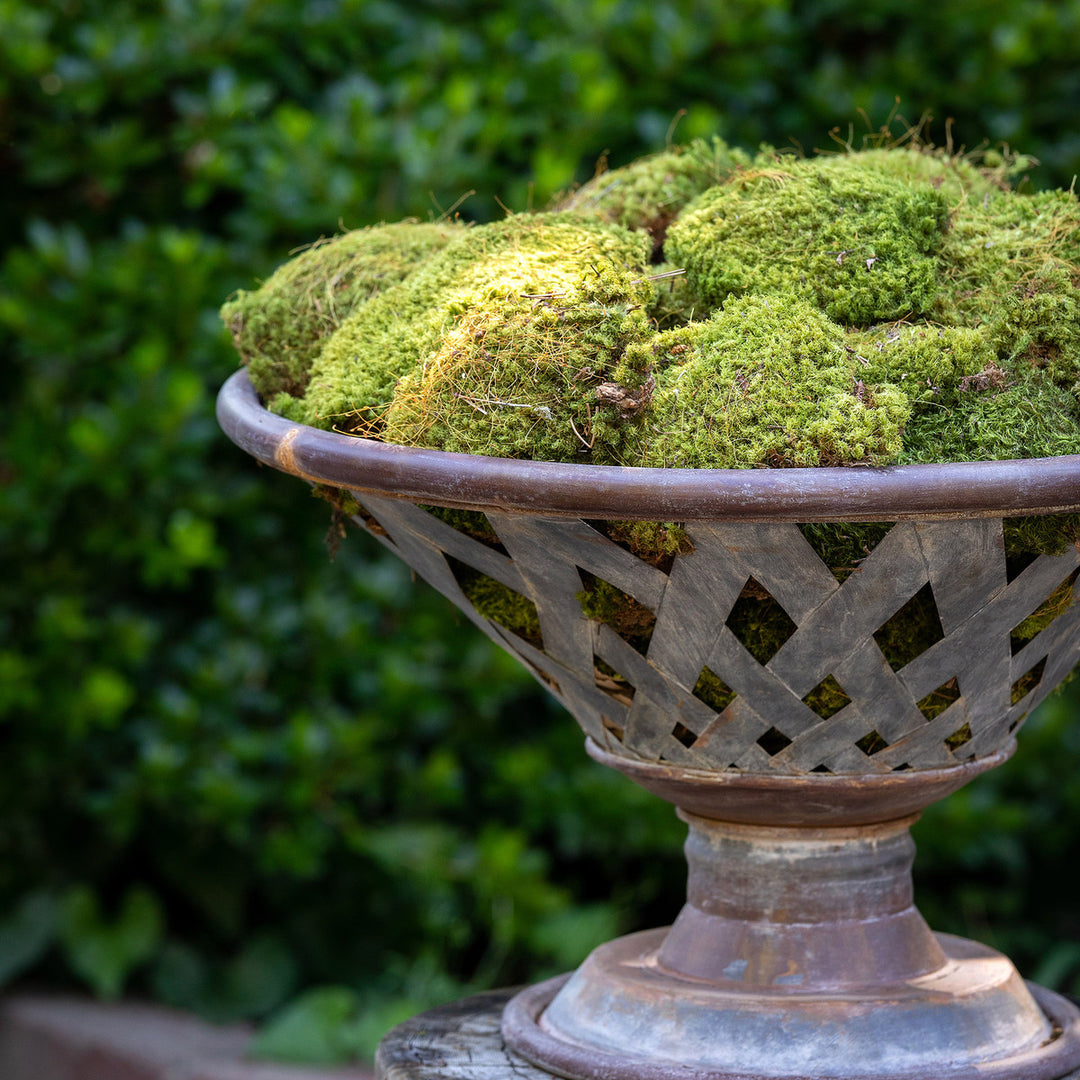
(770, 724)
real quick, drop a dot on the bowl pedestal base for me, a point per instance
(799, 954)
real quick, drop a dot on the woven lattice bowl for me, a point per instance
(799, 953)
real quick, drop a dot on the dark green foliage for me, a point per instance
(318, 775)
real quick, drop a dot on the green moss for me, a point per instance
(657, 542)
(957, 177)
(927, 362)
(1057, 603)
(886, 306)
(857, 243)
(759, 622)
(1037, 325)
(500, 604)
(279, 329)
(1051, 534)
(1027, 417)
(767, 381)
(631, 620)
(999, 242)
(711, 689)
(937, 701)
(827, 698)
(482, 274)
(542, 377)
(472, 523)
(651, 192)
(843, 545)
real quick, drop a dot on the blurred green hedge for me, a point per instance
(246, 780)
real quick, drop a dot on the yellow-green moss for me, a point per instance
(535, 376)
(1057, 603)
(501, 604)
(631, 620)
(711, 689)
(890, 305)
(279, 329)
(651, 192)
(858, 243)
(767, 381)
(485, 269)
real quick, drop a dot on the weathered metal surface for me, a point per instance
(814, 800)
(464, 1041)
(881, 730)
(799, 953)
(1048, 485)
(822, 1041)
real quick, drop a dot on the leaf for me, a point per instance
(316, 1029)
(257, 980)
(27, 933)
(104, 954)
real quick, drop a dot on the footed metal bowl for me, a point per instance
(799, 953)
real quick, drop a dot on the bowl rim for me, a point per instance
(852, 493)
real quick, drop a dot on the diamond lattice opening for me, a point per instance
(827, 698)
(872, 743)
(357, 512)
(1017, 722)
(1016, 564)
(1027, 682)
(773, 741)
(616, 731)
(937, 701)
(498, 602)
(471, 523)
(654, 542)
(843, 546)
(911, 631)
(822, 769)
(684, 735)
(712, 690)
(613, 684)
(1057, 603)
(961, 737)
(629, 618)
(759, 622)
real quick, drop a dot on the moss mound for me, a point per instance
(709, 308)
(279, 329)
(716, 374)
(858, 243)
(552, 371)
(472, 279)
(651, 192)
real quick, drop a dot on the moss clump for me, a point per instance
(657, 542)
(500, 604)
(279, 329)
(768, 381)
(631, 620)
(857, 243)
(486, 268)
(651, 192)
(874, 307)
(546, 376)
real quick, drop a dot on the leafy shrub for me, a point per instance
(236, 772)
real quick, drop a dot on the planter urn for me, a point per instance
(799, 953)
